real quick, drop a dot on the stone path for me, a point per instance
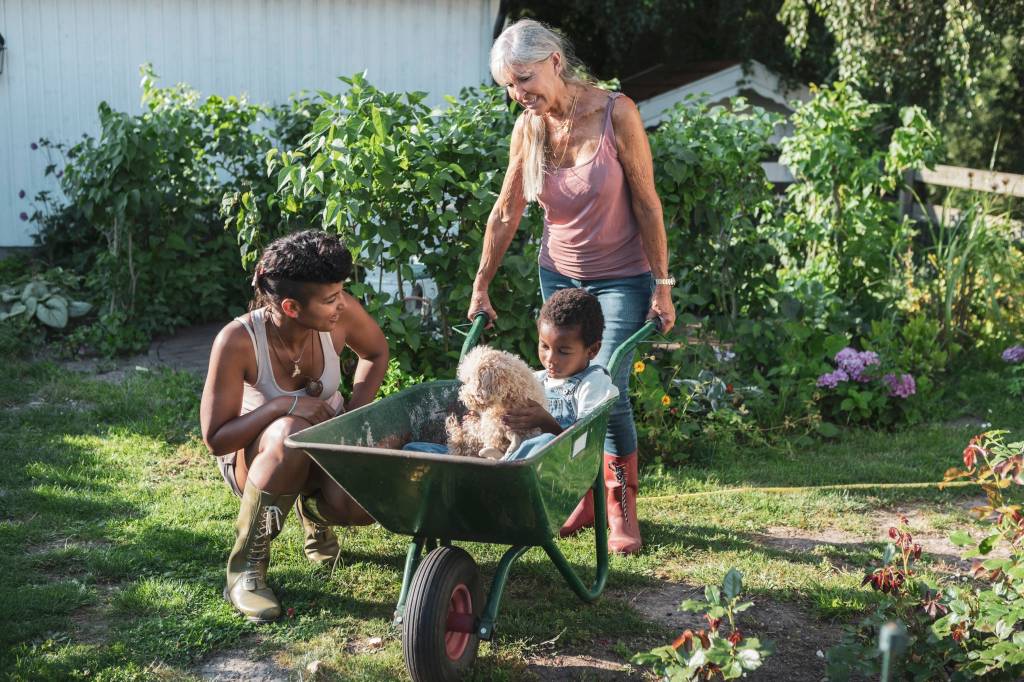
(188, 350)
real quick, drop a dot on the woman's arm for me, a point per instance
(223, 429)
(365, 338)
(635, 157)
(502, 224)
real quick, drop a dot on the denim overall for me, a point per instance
(561, 399)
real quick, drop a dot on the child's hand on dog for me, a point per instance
(532, 417)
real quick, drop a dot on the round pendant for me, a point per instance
(314, 387)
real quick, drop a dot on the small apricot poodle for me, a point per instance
(493, 382)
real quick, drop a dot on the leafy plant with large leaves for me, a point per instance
(143, 198)
(839, 232)
(962, 60)
(718, 206)
(404, 183)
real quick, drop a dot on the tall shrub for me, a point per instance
(142, 219)
(404, 183)
(840, 237)
(717, 204)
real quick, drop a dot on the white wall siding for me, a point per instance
(65, 56)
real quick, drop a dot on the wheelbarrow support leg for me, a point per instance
(587, 594)
(412, 562)
(485, 628)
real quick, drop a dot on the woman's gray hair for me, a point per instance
(528, 42)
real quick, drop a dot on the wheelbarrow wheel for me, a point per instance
(439, 638)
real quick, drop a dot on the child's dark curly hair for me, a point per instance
(575, 308)
(295, 260)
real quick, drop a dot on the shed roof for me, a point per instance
(658, 88)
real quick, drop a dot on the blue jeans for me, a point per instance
(625, 303)
(527, 448)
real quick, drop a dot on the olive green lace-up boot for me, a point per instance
(260, 519)
(321, 544)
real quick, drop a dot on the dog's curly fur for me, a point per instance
(493, 382)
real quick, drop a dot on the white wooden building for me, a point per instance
(64, 57)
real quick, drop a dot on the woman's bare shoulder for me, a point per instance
(624, 110)
(233, 340)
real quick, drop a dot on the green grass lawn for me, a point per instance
(115, 526)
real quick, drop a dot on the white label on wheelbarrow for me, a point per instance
(579, 444)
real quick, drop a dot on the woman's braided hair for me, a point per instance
(295, 260)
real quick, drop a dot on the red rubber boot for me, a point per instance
(582, 516)
(621, 480)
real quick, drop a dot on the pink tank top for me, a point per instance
(590, 231)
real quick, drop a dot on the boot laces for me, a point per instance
(259, 552)
(620, 478)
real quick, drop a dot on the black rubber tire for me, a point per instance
(426, 615)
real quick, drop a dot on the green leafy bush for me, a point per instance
(956, 629)
(406, 184)
(838, 229)
(683, 414)
(141, 219)
(718, 206)
(40, 300)
(36, 306)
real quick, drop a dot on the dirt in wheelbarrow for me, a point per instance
(800, 639)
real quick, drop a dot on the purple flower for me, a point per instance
(1014, 354)
(855, 363)
(34, 146)
(60, 174)
(21, 194)
(23, 215)
(870, 357)
(847, 355)
(832, 379)
(902, 387)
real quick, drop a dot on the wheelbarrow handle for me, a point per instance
(627, 346)
(476, 330)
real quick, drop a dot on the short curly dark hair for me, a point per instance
(291, 262)
(575, 308)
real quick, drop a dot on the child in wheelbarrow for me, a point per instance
(569, 337)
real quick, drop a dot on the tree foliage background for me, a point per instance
(961, 60)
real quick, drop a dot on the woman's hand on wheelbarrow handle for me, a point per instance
(663, 309)
(481, 303)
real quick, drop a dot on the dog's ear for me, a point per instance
(486, 382)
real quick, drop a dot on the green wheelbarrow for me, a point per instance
(438, 499)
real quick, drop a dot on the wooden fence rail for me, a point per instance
(1009, 184)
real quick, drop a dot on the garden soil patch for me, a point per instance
(566, 667)
(798, 636)
(239, 665)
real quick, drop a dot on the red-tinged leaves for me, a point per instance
(932, 604)
(712, 622)
(735, 638)
(684, 639)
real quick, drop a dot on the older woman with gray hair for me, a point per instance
(582, 154)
